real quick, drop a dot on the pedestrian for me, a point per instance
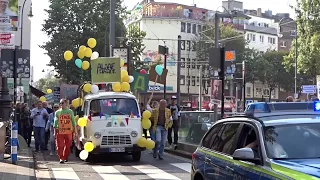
(39, 115)
(289, 99)
(24, 122)
(154, 105)
(64, 125)
(47, 136)
(175, 112)
(49, 127)
(162, 121)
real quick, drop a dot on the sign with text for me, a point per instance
(159, 88)
(216, 91)
(140, 83)
(65, 124)
(21, 57)
(309, 89)
(9, 15)
(105, 70)
(68, 91)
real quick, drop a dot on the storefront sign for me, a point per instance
(159, 88)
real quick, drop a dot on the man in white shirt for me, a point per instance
(39, 116)
(4, 9)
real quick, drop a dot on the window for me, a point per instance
(85, 107)
(188, 28)
(113, 106)
(182, 80)
(183, 27)
(193, 65)
(188, 45)
(183, 61)
(188, 62)
(258, 91)
(253, 37)
(194, 29)
(261, 38)
(193, 81)
(199, 29)
(271, 40)
(208, 139)
(188, 80)
(198, 81)
(248, 37)
(248, 91)
(283, 44)
(183, 45)
(224, 141)
(266, 92)
(198, 66)
(193, 45)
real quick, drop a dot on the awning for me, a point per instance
(36, 91)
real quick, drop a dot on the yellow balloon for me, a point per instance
(125, 78)
(116, 87)
(150, 144)
(92, 42)
(77, 102)
(146, 123)
(82, 48)
(81, 54)
(124, 73)
(125, 86)
(88, 146)
(121, 63)
(88, 52)
(142, 142)
(82, 122)
(68, 55)
(76, 118)
(42, 99)
(87, 87)
(146, 114)
(49, 91)
(85, 65)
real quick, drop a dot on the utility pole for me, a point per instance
(165, 67)
(216, 45)
(200, 89)
(112, 32)
(179, 71)
(244, 85)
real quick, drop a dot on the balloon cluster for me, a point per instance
(86, 88)
(83, 52)
(124, 85)
(146, 124)
(42, 98)
(88, 146)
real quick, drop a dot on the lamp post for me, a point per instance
(280, 35)
(30, 15)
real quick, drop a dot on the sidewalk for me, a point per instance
(23, 170)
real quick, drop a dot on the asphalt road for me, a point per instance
(115, 167)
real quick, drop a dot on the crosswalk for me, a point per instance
(115, 172)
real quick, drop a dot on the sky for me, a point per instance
(39, 60)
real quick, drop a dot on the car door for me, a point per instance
(219, 167)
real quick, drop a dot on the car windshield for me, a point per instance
(114, 106)
(294, 141)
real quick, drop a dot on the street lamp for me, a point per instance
(280, 35)
(30, 15)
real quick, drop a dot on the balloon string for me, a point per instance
(65, 94)
(155, 82)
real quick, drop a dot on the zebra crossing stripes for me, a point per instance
(183, 166)
(109, 172)
(155, 173)
(65, 174)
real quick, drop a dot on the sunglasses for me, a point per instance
(56, 107)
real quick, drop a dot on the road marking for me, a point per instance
(155, 173)
(109, 172)
(183, 166)
(64, 174)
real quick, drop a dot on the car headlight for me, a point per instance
(97, 135)
(134, 133)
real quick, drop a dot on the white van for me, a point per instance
(114, 127)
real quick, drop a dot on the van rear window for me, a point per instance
(114, 106)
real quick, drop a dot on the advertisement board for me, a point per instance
(9, 12)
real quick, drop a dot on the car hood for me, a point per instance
(306, 166)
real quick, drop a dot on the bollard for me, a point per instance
(14, 142)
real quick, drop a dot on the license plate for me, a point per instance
(117, 149)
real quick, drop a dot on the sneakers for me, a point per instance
(175, 146)
(61, 161)
(51, 153)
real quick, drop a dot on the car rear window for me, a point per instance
(114, 106)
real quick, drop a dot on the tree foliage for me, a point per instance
(253, 65)
(308, 21)
(70, 24)
(48, 82)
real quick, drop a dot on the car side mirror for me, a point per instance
(245, 154)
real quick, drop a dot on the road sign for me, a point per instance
(309, 89)
(249, 101)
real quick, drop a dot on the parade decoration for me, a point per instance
(125, 87)
(92, 42)
(85, 65)
(88, 52)
(76, 118)
(146, 114)
(116, 87)
(142, 71)
(95, 55)
(68, 55)
(77, 102)
(124, 73)
(142, 142)
(88, 146)
(125, 78)
(87, 88)
(105, 70)
(146, 123)
(49, 91)
(149, 144)
(131, 79)
(121, 63)
(82, 122)
(82, 48)
(42, 99)
(84, 155)
(159, 70)
(94, 89)
(78, 63)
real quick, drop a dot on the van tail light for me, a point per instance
(193, 156)
(90, 119)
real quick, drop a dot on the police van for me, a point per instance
(114, 124)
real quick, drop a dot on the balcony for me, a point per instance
(258, 29)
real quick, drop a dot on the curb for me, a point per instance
(180, 153)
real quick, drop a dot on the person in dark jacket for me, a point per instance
(47, 136)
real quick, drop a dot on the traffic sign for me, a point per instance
(309, 89)
(249, 101)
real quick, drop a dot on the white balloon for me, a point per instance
(95, 55)
(131, 79)
(83, 155)
(94, 89)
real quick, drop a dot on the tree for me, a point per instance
(308, 21)
(135, 36)
(70, 24)
(47, 83)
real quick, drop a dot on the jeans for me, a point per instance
(27, 134)
(39, 137)
(63, 143)
(175, 127)
(152, 134)
(52, 140)
(161, 138)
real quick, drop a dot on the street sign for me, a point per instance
(309, 89)
(248, 102)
